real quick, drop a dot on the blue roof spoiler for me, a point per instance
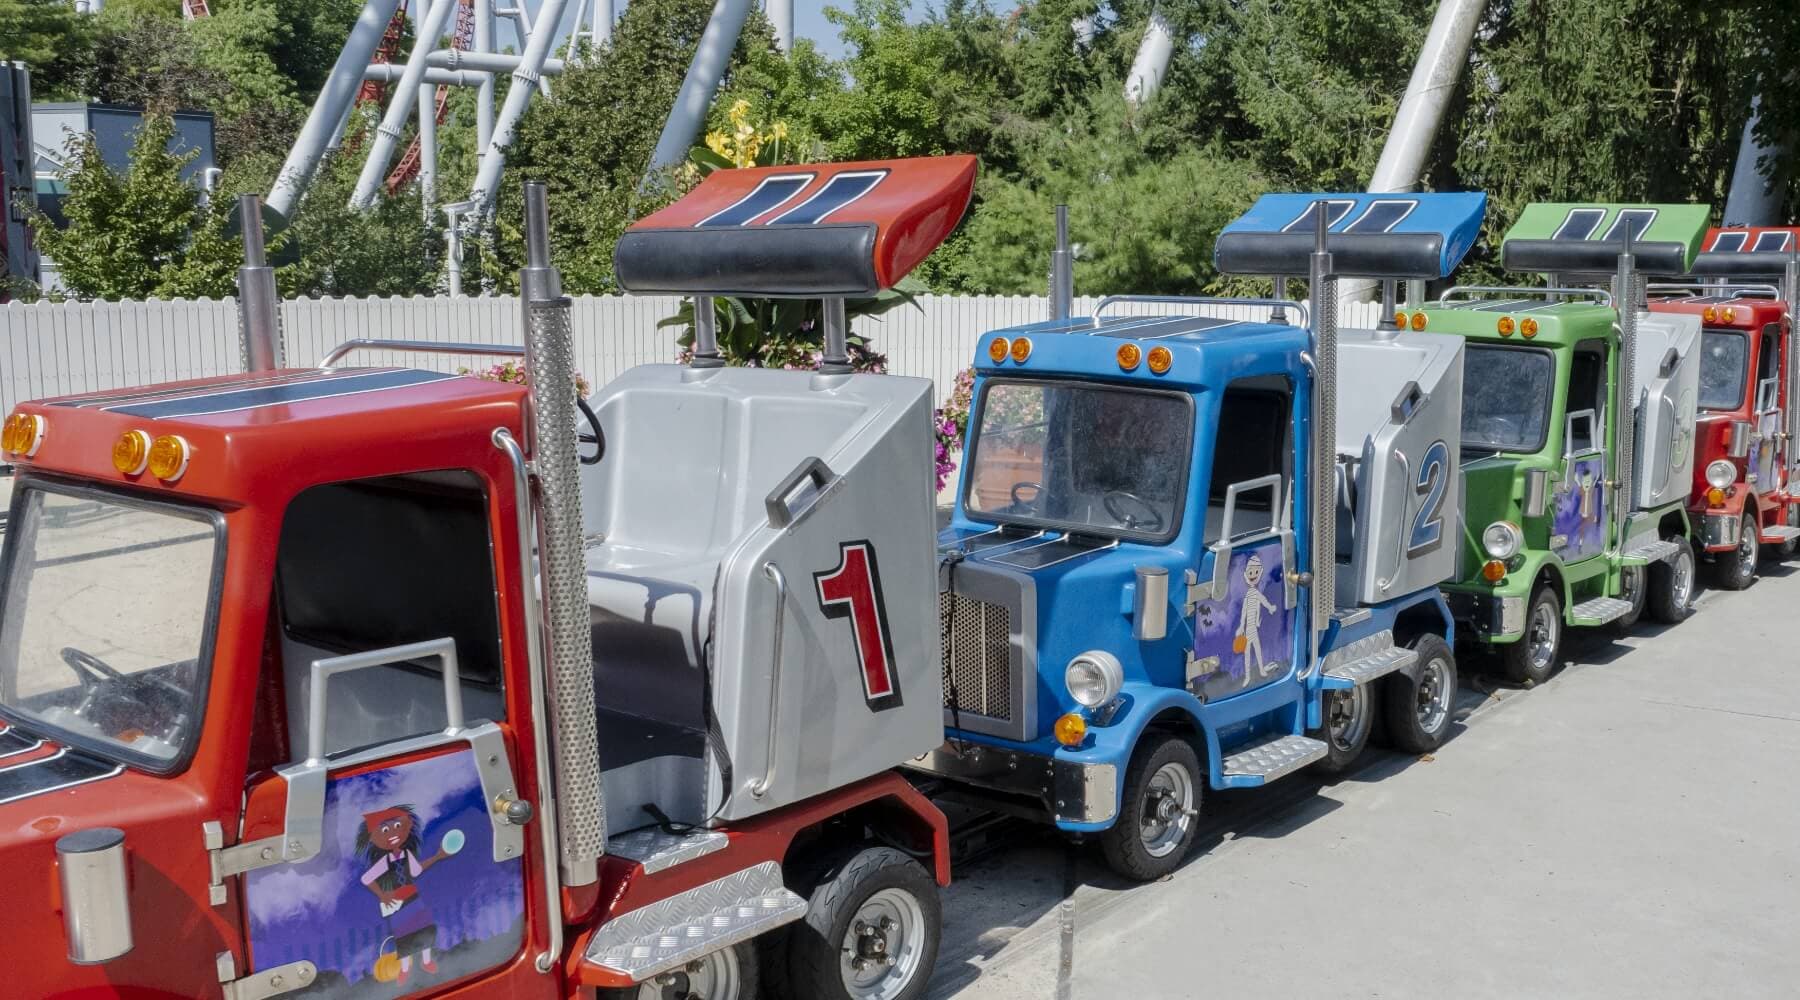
(1369, 235)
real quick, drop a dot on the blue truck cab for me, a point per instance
(1180, 560)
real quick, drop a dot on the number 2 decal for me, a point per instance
(1428, 526)
(853, 590)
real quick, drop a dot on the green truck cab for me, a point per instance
(1572, 517)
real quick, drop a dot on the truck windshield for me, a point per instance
(1724, 368)
(1079, 457)
(106, 621)
(1506, 398)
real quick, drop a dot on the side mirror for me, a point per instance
(1537, 492)
(1150, 604)
(1737, 441)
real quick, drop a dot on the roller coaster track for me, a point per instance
(408, 168)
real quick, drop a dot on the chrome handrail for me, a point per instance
(419, 347)
(1601, 296)
(761, 786)
(540, 716)
(1757, 287)
(325, 668)
(1199, 300)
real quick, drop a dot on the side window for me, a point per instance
(376, 563)
(1768, 367)
(1587, 391)
(1254, 441)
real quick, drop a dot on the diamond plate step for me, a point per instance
(672, 932)
(1274, 759)
(1655, 550)
(1367, 658)
(1599, 611)
(656, 849)
(1776, 534)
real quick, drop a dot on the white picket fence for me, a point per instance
(55, 349)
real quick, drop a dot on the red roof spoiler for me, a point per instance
(805, 231)
(1746, 251)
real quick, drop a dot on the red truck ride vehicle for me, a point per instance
(1742, 503)
(312, 679)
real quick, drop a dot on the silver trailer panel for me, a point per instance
(1668, 382)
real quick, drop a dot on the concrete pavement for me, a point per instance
(1629, 829)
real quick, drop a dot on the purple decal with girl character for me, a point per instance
(404, 894)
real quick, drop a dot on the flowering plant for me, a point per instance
(747, 144)
(514, 372)
(950, 425)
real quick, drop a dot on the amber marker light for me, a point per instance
(131, 453)
(1528, 328)
(1493, 571)
(1715, 496)
(1021, 349)
(1728, 314)
(1709, 314)
(1505, 326)
(1418, 321)
(1129, 356)
(1071, 729)
(1160, 359)
(23, 434)
(169, 457)
(997, 350)
(1401, 319)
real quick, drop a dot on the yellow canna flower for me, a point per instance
(740, 111)
(717, 142)
(779, 130)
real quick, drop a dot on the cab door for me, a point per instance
(1580, 504)
(1243, 618)
(1765, 452)
(387, 858)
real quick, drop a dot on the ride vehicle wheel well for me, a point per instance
(881, 821)
(1423, 618)
(1549, 577)
(1178, 723)
(1672, 525)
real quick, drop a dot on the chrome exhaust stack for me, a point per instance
(550, 368)
(1322, 285)
(1062, 268)
(259, 317)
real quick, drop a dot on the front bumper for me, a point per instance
(1071, 793)
(1719, 532)
(1488, 617)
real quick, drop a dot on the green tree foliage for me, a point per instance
(142, 234)
(49, 37)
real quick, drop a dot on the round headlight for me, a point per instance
(1501, 539)
(1720, 473)
(1094, 678)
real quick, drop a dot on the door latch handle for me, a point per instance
(1300, 579)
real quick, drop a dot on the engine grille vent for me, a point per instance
(977, 660)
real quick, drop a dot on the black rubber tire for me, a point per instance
(1400, 700)
(1637, 594)
(1663, 604)
(1120, 843)
(749, 984)
(1515, 657)
(1338, 759)
(813, 944)
(1737, 569)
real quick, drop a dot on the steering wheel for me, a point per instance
(597, 438)
(90, 668)
(1153, 520)
(1037, 493)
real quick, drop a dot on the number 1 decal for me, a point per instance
(853, 591)
(1428, 526)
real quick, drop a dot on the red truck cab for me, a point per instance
(1741, 502)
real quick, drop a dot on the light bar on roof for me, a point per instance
(1747, 252)
(1369, 235)
(1588, 239)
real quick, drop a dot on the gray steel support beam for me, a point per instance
(1755, 196)
(518, 96)
(1152, 61)
(387, 134)
(700, 84)
(333, 104)
(781, 15)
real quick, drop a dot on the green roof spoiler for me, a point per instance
(1562, 238)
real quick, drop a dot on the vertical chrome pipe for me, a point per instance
(1790, 292)
(1390, 304)
(706, 335)
(1062, 269)
(835, 360)
(96, 898)
(1627, 292)
(1322, 286)
(550, 370)
(259, 319)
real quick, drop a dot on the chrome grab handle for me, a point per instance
(540, 715)
(1277, 511)
(1198, 300)
(1383, 583)
(1470, 291)
(325, 669)
(419, 347)
(761, 786)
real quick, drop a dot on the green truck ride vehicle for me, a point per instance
(1573, 516)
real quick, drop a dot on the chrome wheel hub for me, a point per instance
(1434, 695)
(1681, 579)
(1542, 636)
(715, 977)
(884, 948)
(1168, 810)
(1349, 716)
